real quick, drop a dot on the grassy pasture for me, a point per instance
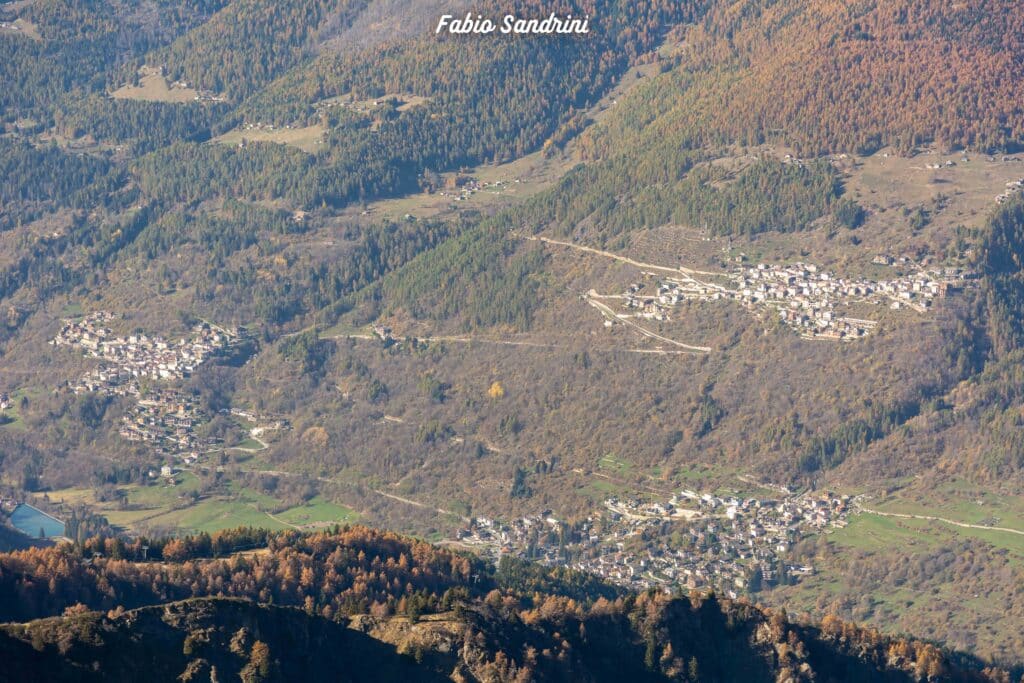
(154, 88)
(165, 506)
(307, 139)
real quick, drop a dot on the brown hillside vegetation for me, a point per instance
(840, 76)
(503, 634)
(504, 389)
(348, 572)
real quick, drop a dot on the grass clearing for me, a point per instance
(876, 533)
(22, 27)
(12, 416)
(160, 504)
(523, 178)
(405, 102)
(154, 88)
(692, 475)
(73, 496)
(599, 490)
(615, 464)
(307, 139)
(254, 497)
(318, 512)
(960, 501)
(72, 310)
(216, 514)
(164, 506)
(871, 532)
(162, 495)
(345, 329)
(128, 519)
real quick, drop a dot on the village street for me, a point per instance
(811, 301)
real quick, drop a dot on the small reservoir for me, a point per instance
(35, 523)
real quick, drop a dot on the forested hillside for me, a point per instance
(80, 47)
(276, 264)
(482, 104)
(486, 102)
(428, 614)
(249, 43)
(831, 76)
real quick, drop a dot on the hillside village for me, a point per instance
(461, 188)
(807, 299)
(164, 417)
(130, 358)
(695, 540)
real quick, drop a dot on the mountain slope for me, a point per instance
(504, 635)
(833, 77)
(453, 254)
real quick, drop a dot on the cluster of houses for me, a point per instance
(5, 401)
(461, 188)
(351, 102)
(938, 165)
(167, 419)
(731, 544)
(163, 417)
(269, 127)
(129, 358)
(262, 126)
(804, 297)
(200, 96)
(1013, 187)
(262, 424)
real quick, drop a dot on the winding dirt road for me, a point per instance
(951, 522)
(611, 315)
(617, 257)
(400, 499)
(509, 342)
